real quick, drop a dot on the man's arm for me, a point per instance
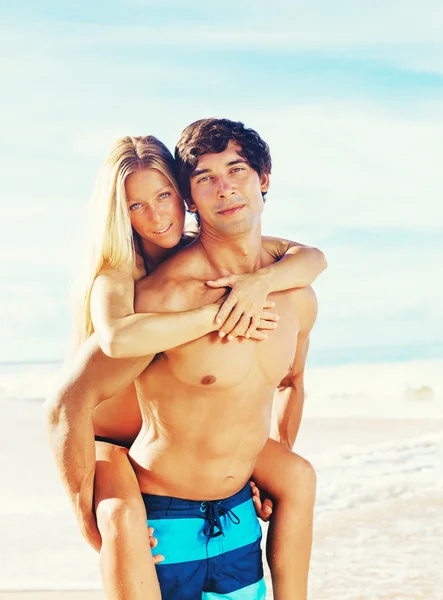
(290, 394)
(90, 378)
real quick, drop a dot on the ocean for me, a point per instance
(374, 433)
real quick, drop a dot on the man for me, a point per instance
(206, 405)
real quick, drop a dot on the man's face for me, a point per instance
(226, 192)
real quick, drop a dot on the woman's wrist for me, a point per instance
(266, 277)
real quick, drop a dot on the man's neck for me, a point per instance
(237, 254)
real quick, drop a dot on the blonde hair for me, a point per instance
(112, 242)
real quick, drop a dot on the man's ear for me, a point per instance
(265, 180)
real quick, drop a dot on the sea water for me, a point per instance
(379, 509)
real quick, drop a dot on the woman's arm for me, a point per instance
(296, 266)
(121, 333)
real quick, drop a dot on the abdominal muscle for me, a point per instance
(200, 446)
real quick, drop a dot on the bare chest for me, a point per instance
(213, 363)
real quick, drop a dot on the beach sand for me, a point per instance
(39, 534)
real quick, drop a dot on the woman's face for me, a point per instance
(156, 210)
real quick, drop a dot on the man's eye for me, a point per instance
(237, 169)
(205, 178)
(135, 206)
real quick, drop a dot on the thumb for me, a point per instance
(222, 282)
(267, 506)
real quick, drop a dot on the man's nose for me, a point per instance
(225, 187)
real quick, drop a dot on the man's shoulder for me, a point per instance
(305, 304)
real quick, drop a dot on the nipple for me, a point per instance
(208, 380)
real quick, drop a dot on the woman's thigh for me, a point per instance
(116, 486)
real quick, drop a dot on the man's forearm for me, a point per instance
(71, 436)
(288, 410)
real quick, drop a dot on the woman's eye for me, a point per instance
(165, 195)
(135, 206)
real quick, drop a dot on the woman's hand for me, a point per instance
(246, 310)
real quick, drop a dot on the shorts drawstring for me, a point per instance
(213, 510)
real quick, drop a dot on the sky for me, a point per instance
(348, 95)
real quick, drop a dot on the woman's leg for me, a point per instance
(290, 481)
(126, 563)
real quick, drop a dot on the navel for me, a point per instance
(208, 380)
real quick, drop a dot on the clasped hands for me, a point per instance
(246, 311)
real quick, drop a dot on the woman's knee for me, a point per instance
(120, 517)
(300, 482)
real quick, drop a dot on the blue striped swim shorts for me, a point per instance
(211, 548)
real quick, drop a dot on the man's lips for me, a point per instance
(232, 210)
(164, 230)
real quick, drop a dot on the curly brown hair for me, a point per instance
(213, 135)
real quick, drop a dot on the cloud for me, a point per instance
(404, 33)
(355, 138)
(354, 166)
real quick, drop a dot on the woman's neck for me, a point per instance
(154, 255)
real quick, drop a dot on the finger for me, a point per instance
(158, 558)
(254, 490)
(257, 503)
(225, 310)
(241, 328)
(255, 320)
(267, 507)
(267, 325)
(220, 282)
(153, 541)
(267, 315)
(150, 531)
(263, 516)
(260, 513)
(259, 336)
(232, 320)
(269, 304)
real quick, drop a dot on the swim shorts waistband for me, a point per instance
(164, 506)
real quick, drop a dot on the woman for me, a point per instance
(138, 222)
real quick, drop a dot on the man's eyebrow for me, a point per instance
(198, 172)
(237, 161)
